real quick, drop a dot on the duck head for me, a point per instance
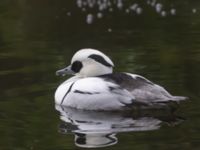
(88, 63)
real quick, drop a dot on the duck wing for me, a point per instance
(141, 88)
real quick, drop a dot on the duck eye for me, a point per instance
(76, 66)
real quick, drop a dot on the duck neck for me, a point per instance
(94, 72)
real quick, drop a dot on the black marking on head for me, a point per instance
(100, 59)
(84, 92)
(76, 66)
(67, 92)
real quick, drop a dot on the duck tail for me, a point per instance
(179, 98)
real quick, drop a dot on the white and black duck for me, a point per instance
(94, 86)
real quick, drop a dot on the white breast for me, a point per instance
(92, 94)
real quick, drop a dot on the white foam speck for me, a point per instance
(127, 11)
(148, 2)
(84, 3)
(173, 11)
(158, 7)
(119, 4)
(68, 13)
(91, 3)
(79, 3)
(163, 13)
(194, 10)
(110, 9)
(99, 15)
(138, 10)
(109, 3)
(83, 9)
(134, 6)
(109, 30)
(89, 19)
(153, 3)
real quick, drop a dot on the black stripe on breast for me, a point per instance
(67, 92)
(100, 59)
(84, 92)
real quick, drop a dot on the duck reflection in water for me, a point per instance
(94, 129)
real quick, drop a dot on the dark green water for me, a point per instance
(39, 37)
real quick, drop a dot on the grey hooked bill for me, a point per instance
(64, 71)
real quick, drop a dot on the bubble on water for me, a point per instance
(173, 11)
(139, 10)
(68, 13)
(109, 4)
(148, 2)
(79, 3)
(89, 19)
(109, 30)
(110, 10)
(98, 2)
(83, 9)
(158, 7)
(194, 10)
(153, 3)
(91, 3)
(163, 13)
(102, 7)
(84, 3)
(134, 6)
(119, 4)
(99, 15)
(127, 10)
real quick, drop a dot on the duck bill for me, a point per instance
(65, 71)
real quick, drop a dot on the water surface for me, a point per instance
(39, 37)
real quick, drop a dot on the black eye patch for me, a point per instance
(76, 66)
(100, 59)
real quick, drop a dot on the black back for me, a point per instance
(126, 81)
